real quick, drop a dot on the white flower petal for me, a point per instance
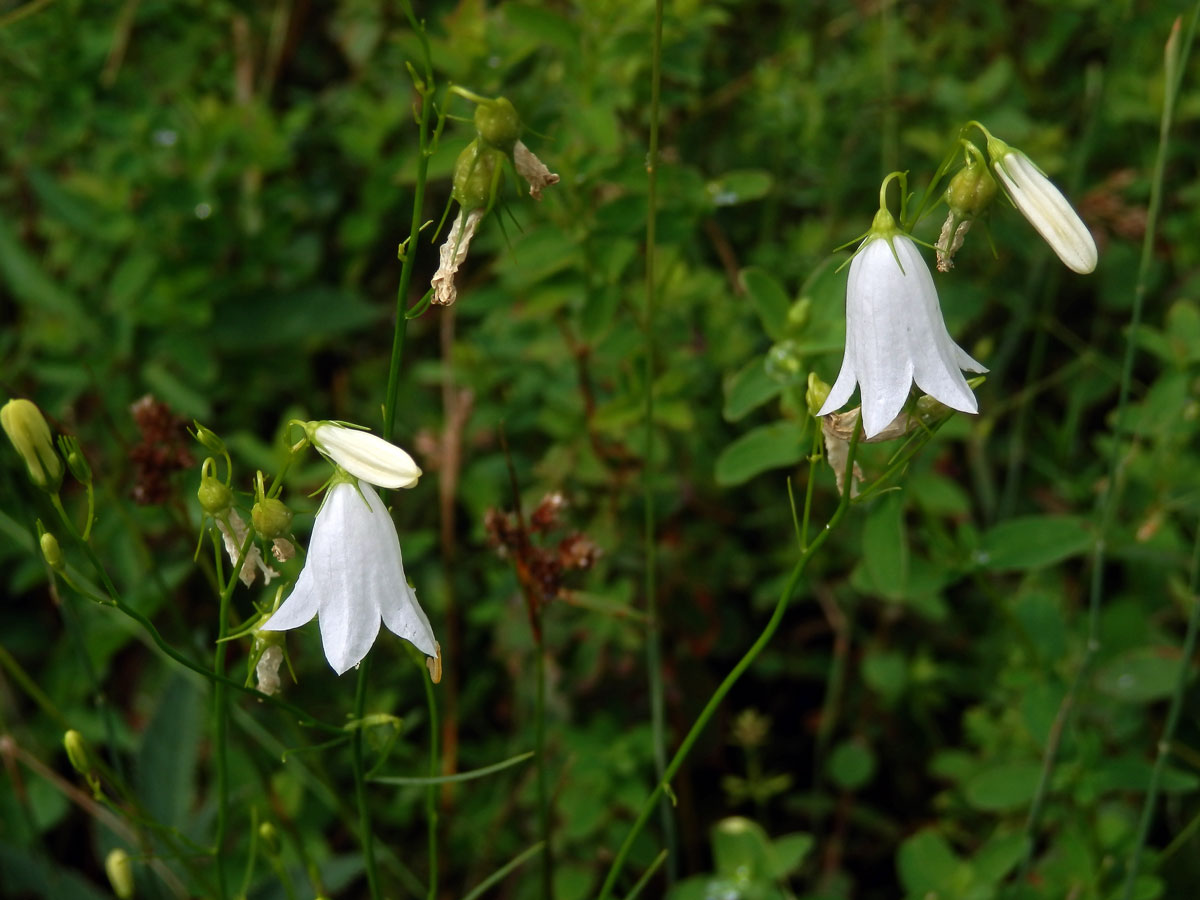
(366, 456)
(895, 335)
(354, 577)
(406, 619)
(298, 609)
(1048, 211)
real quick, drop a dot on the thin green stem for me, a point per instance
(653, 626)
(1175, 64)
(1164, 742)
(221, 723)
(543, 774)
(365, 835)
(425, 88)
(731, 679)
(499, 875)
(431, 813)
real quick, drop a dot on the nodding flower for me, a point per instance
(353, 579)
(895, 333)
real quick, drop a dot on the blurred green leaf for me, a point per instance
(770, 301)
(759, 450)
(1141, 675)
(1003, 788)
(166, 767)
(1030, 542)
(748, 389)
(851, 764)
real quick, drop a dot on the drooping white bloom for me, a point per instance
(364, 455)
(353, 578)
(1044, 206)
(895, 335)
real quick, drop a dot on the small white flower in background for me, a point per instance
(363, 455)
(233, 535)
(453, 254)
(1044, 206)
(895, 333)
(352, 579)
(533, 170)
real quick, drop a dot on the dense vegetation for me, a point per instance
(202, 203)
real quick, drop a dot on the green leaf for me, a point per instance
(999, 856)
(739, 186)
(770, 301)
(1141, 675)
(789, 852)
(166, 766)
(1031, 542)
(748, 389)
(885, 547)
(756, 451)
(1003, 788)
(64, 319)
(740, 848)
(851, 765)
(926, 863)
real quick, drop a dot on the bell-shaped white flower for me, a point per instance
(895, 334)
(353, 578)
(364, 455)
(1044, 206)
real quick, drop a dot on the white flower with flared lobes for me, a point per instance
(353, 578)
(895, 333)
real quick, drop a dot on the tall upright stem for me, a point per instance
(653, 634)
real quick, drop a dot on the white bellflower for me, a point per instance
(352, 579)
(895, 333)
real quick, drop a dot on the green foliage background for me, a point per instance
(203, 202)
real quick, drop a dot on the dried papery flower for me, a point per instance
(233, 534)
(533, 170)
(452, 255)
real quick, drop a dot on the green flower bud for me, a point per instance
(798, 315)
(816, 395)
(498, 124)
(51, 551)
(785, 362)
(77, 753)
(271, 518)
(30, 435)
(474, 173)
(971, 189)
(69, 447)
(208, 438)
(215, 496)
(119, 869)
(270, 838)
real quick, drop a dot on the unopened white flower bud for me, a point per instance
(364, 455)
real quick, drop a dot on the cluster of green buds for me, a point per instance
(1035, 196)
(270, 517)
(478, 173)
